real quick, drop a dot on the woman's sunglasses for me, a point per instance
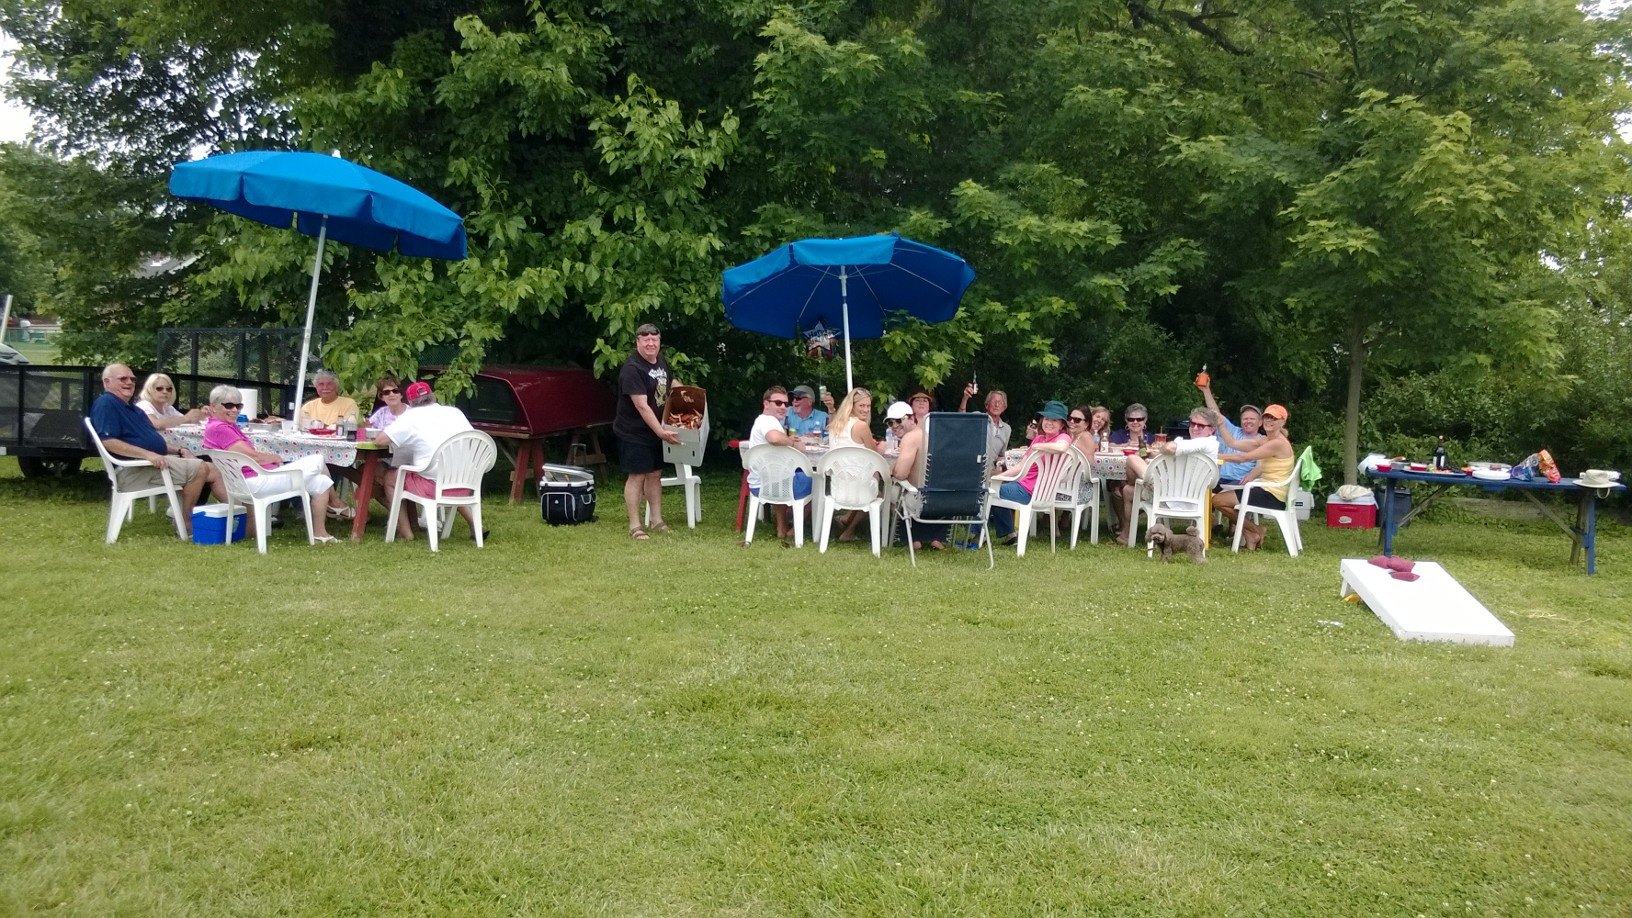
(390, 391)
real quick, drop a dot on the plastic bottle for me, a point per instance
(889, 440)
(243, 419)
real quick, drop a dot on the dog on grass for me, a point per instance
(1169, 541)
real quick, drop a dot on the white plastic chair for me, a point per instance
(456, 470)
(684, 477)
(1180, 488)
(291, 483)
(1079, 491)
(1286, 518)
(853, 478)
(1052, 469)
(774, 466)
(124, 500)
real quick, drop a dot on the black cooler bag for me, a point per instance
(566, 495)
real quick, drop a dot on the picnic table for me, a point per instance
(1583, 532)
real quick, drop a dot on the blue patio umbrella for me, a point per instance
(856, 283)
(327, 197)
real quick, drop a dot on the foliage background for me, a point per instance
(1400, 218)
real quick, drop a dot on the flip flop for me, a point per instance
(639, 535)
(324, 540)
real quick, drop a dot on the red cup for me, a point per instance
(1126, 451)
(1385, 466)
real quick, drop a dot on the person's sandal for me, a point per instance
(324, 540)
(661, 527)
(639, 535)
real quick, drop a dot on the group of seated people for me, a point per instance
(132, 431)
(1257, 447)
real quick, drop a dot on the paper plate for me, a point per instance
(1489, 474)
(1498, 466)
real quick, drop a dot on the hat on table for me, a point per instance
(417, 390)
(897, 411)
(802, 392)
(1055, 411)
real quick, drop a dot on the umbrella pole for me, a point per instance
(844, 298)
(311, 310)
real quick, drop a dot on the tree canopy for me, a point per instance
(1312, 198)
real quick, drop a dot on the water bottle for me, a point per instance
(243, 419)
(889, 439)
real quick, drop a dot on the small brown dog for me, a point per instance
(1190, 543)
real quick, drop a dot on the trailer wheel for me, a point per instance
(47, 467)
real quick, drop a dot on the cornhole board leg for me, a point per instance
(1433, 607)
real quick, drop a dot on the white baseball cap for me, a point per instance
(897, 411)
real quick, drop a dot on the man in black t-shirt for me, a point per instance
(643, 386)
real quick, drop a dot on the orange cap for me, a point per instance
(1278, 411)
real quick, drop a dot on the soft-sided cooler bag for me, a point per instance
(566, 496)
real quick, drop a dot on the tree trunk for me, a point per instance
(1351, 411)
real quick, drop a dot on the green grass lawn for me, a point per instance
(567, 722)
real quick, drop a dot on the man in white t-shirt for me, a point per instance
(769, 428)
(414, 438)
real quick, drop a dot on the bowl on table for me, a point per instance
(1384, 466)
(1419, 466)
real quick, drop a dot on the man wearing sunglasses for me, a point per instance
(804, 418)
(126, 432)
(769, 428)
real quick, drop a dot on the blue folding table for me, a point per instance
(1583, 533)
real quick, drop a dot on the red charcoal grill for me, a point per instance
(521, 406)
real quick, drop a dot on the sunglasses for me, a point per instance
(1200, 424)
(233, 405)
(1136, 420)
(390, 391)
(1079, 420)
(779, 403)
(164, 389)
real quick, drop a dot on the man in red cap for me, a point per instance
(414, 437)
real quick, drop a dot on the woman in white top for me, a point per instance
(159, 402)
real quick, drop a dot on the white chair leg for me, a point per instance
(434, 528)
(476, 522)
(753, 518)
(875, 526)
(1093, 523)
(825, 529)
(1289, 532)
(175, 513)
(1024, 521)
(1240, 519)
(798, 512)
(261, 525)
(116, 517)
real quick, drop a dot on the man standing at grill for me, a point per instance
(643, 388)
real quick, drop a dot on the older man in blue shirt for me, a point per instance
(127, 433)
(804, 418)
(1235, 473)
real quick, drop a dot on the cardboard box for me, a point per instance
(693, 442)
(210, 524)
(1350, 516)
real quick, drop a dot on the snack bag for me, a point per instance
(1526, 470)
(1544, 461)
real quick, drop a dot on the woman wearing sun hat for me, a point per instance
(1051, 438)
(1275, 458)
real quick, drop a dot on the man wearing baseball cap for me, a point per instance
(413, 438)
(804, 418)
(909, 432)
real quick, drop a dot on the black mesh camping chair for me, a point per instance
(954, 476)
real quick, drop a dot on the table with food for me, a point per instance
(1535, 476)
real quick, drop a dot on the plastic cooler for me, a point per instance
(1350, 516)
(210, 524)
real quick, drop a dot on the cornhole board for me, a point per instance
(1434, 607)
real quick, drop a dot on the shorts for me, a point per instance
(1261, 498)
(181, 472)
(801, 485)
(426, 487)
(639, 457)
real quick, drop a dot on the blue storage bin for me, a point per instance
(210, 525)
